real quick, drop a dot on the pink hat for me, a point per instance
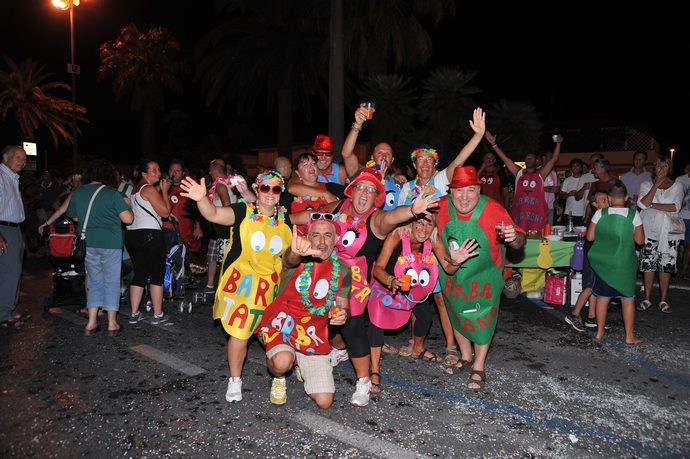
(370, 175)
(464, 176)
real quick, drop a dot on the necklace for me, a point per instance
(350, 220)
(304, 281)
(420, 189)
(275, 219)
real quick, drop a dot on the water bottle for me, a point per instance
(570, 222)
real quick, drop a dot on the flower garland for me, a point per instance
(350, 220)
(274, 220)
(420, 189)
(419, 256)
(304, 281)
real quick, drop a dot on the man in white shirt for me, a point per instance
(634, 178)
(573, 191)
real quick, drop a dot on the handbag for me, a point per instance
(676, 224)
(79, 247)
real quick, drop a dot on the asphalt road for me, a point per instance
(158, 391)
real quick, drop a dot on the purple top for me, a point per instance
(633, 181)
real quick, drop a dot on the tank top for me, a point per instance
(142, 219)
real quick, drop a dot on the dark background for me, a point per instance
(583, 61)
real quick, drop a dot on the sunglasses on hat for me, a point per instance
(321, 216)
(277, 189)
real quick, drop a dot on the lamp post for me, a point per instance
(72, 69)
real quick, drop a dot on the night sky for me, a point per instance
(574, 61)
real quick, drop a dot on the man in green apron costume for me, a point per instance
(615, 231)
(473, 292)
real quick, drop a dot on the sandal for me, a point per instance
(481, 382)
(644, 305)
(388, 349)
(665, 307)
(458, 367)
(452, 357)
(427, 356)
(375, 387)
(406, 351)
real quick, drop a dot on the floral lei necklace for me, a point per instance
(305, 280)
(350, 220)
(420, 189)
(419, 256)
(256, 215)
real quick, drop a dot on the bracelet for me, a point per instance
(414, 215)
(451, 262)
(390, 282)
(355, 128)
(494, 145)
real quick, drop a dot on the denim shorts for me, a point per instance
(103, 278)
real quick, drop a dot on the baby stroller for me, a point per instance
(69, 273)
(175, 263)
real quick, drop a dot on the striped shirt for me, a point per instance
(12, 208)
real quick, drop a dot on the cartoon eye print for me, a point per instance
(483, 179)
(489, 181)
(321, 289)
(297, 282)
(413, 274)
(275, 245)
(349, 237)
(424, 278)
(258, 241)
(525, 183)
(533, 184)
(390, 198)
(174, 199)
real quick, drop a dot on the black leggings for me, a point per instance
(355, 335)
(423, 312)
(146, 247)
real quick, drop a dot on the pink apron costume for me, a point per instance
(298, 317)
(392, 312)
(529, 206)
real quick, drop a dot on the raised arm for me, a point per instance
(548, 167)
(478, 125)
(383, 222)
(159, 199)
(296, 188)
(349, 158)
(197, 192)
(510, 164)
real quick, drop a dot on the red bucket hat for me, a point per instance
(464, 176)
(370, 175)
(323, 143)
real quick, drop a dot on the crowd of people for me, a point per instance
(320, 259)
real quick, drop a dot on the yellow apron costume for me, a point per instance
(251, 269)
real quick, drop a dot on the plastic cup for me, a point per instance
(500, 231)
(370, 109)
(406, 282)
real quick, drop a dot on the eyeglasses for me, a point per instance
(323, 153)
(277, 189)
(367, 188)
(321, 216)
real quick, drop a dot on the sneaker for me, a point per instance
(134, 318)
(234, 392)
(338, 356)
(278, 392)
(575, 322)
(592, 323)
(159, 319)
(361, 395)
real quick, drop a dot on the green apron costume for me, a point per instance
(473, 293)
(612, 256)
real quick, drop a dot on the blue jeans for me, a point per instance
(103, 278)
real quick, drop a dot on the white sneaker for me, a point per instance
(234, 392)
(278, 392)
(361, 395)
(338, 356)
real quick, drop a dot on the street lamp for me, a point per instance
(72, 69)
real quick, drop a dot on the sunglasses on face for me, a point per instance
(323, 153)
(321, 216)
(367, 188)
(276, 189)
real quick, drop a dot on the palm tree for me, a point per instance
(517, 125)
(445, 106)
(274, 50)
(28, 103)
(142, 65)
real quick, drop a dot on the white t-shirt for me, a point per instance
(637, 221)
(577, 207)
(439, 181)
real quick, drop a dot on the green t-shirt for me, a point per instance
(104, 230)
